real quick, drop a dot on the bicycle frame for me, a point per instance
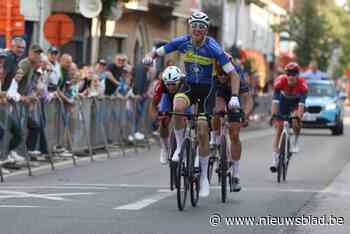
(284, 148)
(285, 132)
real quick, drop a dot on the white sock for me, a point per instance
(274, 157)
(213, 137)
(296, 138)
(236, 168)
(179, 135)
(196, 160)
(217, 139)
(164, 143)
(204, 166)
(231, 165)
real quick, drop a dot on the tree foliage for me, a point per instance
(309, 28)
(339, 19)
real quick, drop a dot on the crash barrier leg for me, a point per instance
(36, 122)
(132, 112)
(43, 125)
(119, 106)
(21, 116)
(6, 142)
(66, 131)
(145, 123)
(57, 125)
(85, 129)
(100, 117)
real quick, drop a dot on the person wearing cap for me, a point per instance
(14, 56)
(100, 70)
(53, 56)
(21, 89)
(28, 66)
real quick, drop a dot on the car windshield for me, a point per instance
(321, 90)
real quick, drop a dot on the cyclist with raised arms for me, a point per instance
(289, 97)
(223, 94)
(200, 52)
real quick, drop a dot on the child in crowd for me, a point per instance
(94, 89)
(124, 90)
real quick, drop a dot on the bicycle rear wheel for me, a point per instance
(193, 177)
(182, 184)
(223, 168)
(281, 158)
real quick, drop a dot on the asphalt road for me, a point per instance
(130, 194)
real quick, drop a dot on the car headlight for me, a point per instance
(331, 106)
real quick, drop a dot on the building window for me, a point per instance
(110, 46)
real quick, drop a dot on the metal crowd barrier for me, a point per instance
(90, 124)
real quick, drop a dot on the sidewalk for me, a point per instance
(333, 200)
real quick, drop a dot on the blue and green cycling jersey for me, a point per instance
(199, 62)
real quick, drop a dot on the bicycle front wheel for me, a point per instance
(182, 184)
(286, 160)
(193, 177)
(172, 166)
(223, 168)
(281, 158)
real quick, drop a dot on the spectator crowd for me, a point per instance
(29, 75)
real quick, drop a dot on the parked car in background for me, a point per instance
(323, 108)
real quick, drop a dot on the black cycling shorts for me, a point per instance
(223, 90)
(202, 94)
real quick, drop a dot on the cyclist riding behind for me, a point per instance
(289, 97)
(223, 94)
(174, 82)
(200, 51)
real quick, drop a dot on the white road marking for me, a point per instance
(15, 206)
(145, 202)
(53, 187)
(54, 197)
(122, 185)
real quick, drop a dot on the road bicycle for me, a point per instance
(284, 146)
(185, 173)
(224, 174)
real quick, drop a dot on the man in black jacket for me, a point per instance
(142, 76)
(12, 59)
(113, 74)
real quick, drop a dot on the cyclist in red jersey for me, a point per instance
(289, 97)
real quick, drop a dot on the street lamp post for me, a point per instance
(238, 6)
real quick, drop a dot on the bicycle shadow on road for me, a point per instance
(322, 133)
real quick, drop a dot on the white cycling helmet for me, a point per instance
(200, 17)
(172, 74)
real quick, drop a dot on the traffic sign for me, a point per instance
(58, 29)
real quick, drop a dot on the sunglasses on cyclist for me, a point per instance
(171, 84)
(196, 25)
(292, 73)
